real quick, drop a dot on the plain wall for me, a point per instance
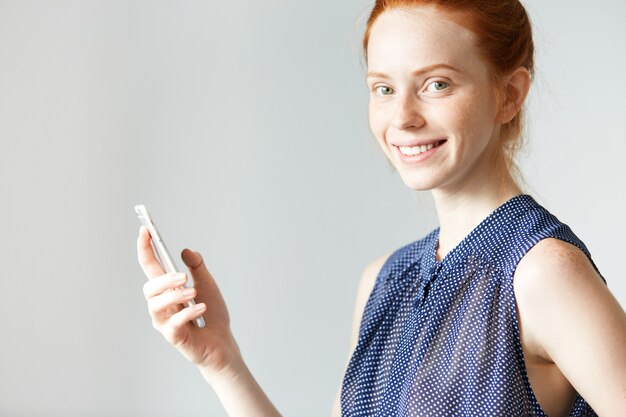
(242, 125)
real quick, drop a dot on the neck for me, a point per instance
(461, 210)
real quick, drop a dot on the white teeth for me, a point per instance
(416, 150)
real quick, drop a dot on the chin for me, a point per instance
(418, 183)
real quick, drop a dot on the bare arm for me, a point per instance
(366, 284)
(576, 321)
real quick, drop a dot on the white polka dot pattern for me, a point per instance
(442, 338)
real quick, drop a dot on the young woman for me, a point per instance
(501, 310)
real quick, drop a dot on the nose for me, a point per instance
(407, 113)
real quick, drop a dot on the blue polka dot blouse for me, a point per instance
(442, 338)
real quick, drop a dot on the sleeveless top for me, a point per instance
(442, 338)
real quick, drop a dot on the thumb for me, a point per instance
(205, 284)
(196, 266)
(192, 259)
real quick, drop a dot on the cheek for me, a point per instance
(474, 118)
(377, 122)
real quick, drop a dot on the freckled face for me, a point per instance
(432, 108)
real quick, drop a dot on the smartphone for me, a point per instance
(161, 252)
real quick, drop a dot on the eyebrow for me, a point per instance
(415, 73)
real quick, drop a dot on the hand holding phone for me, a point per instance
(161, 252)
(214, 348)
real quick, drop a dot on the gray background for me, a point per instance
(243, 126)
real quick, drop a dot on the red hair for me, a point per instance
(503, 37)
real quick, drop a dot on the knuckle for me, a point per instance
(153, 306)
(170, 333)
(173, 323)
(147, 290)
(157, 286)
(179, 319)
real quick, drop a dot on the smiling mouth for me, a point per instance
(416, 150)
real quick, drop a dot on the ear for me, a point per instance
(517, 86)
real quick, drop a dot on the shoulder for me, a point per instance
(573, 321)
(366, 284)
(550, 273)
(554, 255)
(373, 268)
(369, 275)
(400, 256)
(553, 266)
(553, 277)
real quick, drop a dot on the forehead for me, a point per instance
(418, 37)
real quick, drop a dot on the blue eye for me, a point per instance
(383, 90)
(437, 86)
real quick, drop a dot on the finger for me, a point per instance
(160, 284)
(164, 305)
(149, 263)
(172, 331)
(200, 274)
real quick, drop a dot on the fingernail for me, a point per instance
(187, 292)
(178, 277)
(199, 307)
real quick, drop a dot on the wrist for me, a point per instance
(233, 371)
(240, 394)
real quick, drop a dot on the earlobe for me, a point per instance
(517, 86)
